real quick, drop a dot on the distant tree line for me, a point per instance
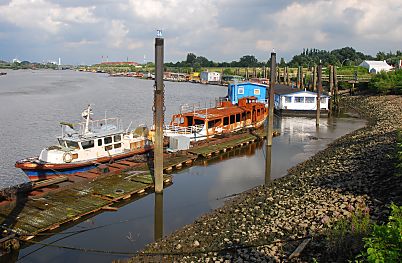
(346, 56)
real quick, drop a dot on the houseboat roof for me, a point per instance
(281, 89)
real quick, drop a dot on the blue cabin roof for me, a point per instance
(237, 91)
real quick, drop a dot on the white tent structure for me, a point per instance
(375, 66)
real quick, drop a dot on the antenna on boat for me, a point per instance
(86, 114)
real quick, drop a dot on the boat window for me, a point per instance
(232, 118)
(108, 140)
(243, 116)
(117, 138)
(240, 90)
(299, 99)
(213, 123)
(323, 100)
(62, 142)
(72, 144)
(226, 121)
(249, 115)
(309, 99)
(108, 148)
(189, 121)
(99, 142)
(198, 122)
(237, 117)
(288, 99)
(117, 145)
(256, 91)
(87, 144)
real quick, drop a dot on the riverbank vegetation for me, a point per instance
(387, 82)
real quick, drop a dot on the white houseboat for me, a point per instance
(82, 146)
(292, 101)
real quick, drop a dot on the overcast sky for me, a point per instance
(82, 31)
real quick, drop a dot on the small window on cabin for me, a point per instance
(181, 120)
(288, 99)
(299, 99)
(87, 144)
(232, 118)
(243, 116)
(71, 144)
(240, 90)
(323, 100)
(199, 122)
(61, 142)
(226, 121)
(117, 138)
(237, 117)
(309, 99)
(117, 145)
(258, 112)
(99, 142)
(108, 140)
(256, 91)
(108, 148)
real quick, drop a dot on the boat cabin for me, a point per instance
(237, 91)
(293, 101)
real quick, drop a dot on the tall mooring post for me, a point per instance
(336, 95)
(158, 216)
(319, 90)
(331, 87)
(158, 113)
(314, 78)
(272, 81)
(298, 85)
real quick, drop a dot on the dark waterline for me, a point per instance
(195, 190)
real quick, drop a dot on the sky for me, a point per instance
(91, 31)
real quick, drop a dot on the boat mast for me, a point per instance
(86, 115)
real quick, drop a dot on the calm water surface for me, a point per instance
(32, 103)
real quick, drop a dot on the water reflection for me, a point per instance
(268, 155)
(158, 213)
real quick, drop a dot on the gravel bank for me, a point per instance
(267, 223)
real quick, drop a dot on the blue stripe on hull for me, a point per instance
(39, 174)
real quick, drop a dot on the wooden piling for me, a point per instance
(158, 114)
(298, 77)
(331, 88)
(270, 126)
(314, 78)
(319, 90)
(336, 91)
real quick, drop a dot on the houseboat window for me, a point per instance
(71, 144)
(323, 100)
(288, 99)
(108, 148)
(310, 99)
(117, 138)
(258, 112)
(226, 121)
(249, 115)
(299, 99)
(240, 90)
(213, 123)
(237, 117)
(99, 142)
(256, 91)
(87, 144)
(117, 145)
(189, 120)
(232, 118)
(108, 140)
(243, 116)
(198, 122)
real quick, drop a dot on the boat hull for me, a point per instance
(36, 170)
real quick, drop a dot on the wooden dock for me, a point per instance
(67, 199)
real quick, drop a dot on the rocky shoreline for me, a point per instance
(267, 223)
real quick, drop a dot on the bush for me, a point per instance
(387, 82)
(385, 242)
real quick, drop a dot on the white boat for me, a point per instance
(81, 147)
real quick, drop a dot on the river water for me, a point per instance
(32, 103)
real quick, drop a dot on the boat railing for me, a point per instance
(185, 108)
(183, 130)
(95, 126)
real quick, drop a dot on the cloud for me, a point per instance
(44, 15)
(221, 30)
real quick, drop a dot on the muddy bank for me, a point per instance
(268, 222)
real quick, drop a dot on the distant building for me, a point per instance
(210, 77)
(375, 66)
(292, 101)
(128, 63)
(237, 91)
